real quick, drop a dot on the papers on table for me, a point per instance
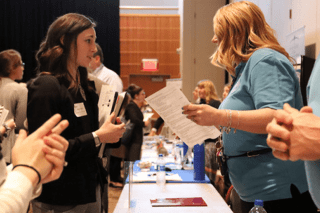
(168, 103)
(152, 177)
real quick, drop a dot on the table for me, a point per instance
(186, 175)
(142, 193)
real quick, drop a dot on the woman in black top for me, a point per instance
(208, 95)
(134, 114)
(63, 87)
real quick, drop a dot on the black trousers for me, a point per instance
(115, 169)
(300, 203)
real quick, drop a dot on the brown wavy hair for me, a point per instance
(211, 93)
(9, 60)
(52, 57)
(240, 29)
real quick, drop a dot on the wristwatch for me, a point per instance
(6, 127)
(96, 139)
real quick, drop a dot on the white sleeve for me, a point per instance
(16, 192)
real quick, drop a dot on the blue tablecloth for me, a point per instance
(186, 175)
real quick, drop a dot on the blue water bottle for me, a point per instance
(258, 207)
(198, 162)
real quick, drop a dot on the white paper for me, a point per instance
(295, 44)
(80, 110)
(168, 103)
(105, 102)
(151, 176)
(147, 116)
(175, 82)
(3, 114)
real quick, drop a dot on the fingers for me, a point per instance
(306, 109)
(280, 155)
(56, 142)
(22, 135)
(48, 125)
(60, 127)
(118, 121)
(283, 117)
(112, 118)
(278, 131)
(189, 109)
(289, 109)
(276, 144)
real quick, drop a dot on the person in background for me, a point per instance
(294, 135)
(226, 90)
(13, 96)
(63, 87)
(263, 80)
(97, 68)
(101, 75)
(195, 95)
(134, 114)
(208, 95)
(36, 160)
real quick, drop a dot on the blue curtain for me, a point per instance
(24, 24)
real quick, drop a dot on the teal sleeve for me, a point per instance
(272, 83)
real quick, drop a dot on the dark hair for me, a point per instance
(133, 90)
(9, 60)
(99, 53)
(55, 50)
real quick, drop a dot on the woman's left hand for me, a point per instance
(202, 114)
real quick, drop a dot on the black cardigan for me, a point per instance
(77, 184)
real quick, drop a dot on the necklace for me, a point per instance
(83, 94)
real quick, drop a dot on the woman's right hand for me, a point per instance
(109, 132)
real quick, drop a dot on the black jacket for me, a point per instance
(77, 184)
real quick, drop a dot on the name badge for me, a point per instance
(80, 110)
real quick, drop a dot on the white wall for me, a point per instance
(149, 3)
(304, 13)
(197, 33)
(307, 13)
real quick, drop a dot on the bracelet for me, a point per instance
(31, 167)
(235, 129)
(227, 129)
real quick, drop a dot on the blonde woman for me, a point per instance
(208, 95)
(263, 80)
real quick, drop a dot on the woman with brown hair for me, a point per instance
(13, 96)
(263, 80)
(134, 114)
(63, 87)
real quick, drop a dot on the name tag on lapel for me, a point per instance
(80, 110)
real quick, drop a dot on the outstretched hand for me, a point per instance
(202, 114)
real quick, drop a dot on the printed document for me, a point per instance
(168, 103)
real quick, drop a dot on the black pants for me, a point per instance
(115, 169)
(300, 203)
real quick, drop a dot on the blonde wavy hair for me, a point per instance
(240, 29)
(211, 93)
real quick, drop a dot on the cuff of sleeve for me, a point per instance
(20, 182)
